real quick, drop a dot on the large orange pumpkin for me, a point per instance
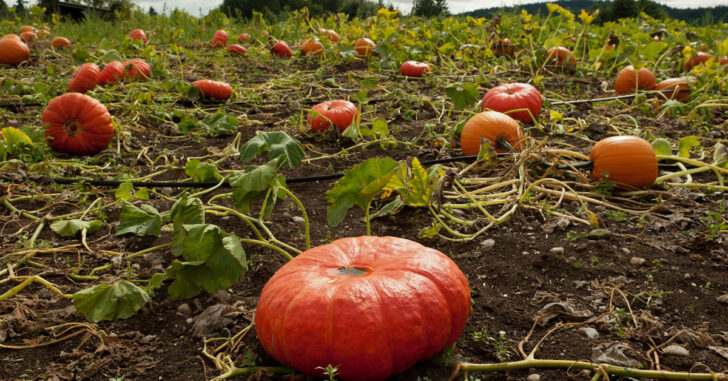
(364, 47)
(696, 60)
(29, 37)
(85, 78)
(113, 72)
(331, 34)
(678, 87)
(414, 69)
(60, 42)
(491, 126)
(77, 123)
(280, 49)
(137, 69)
(339, 112)
(312, 46)
(628, 160)
(372, 306)
(629, 80)
(560, 56)
(514, 96)
(138, 34)
(13, 51)
(213, 89)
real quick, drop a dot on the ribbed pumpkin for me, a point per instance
(628, 80)
(236, 49)
(503, 47)
(560, 56)
(27, 28)
(628, 160)
(312, 46)
(491, 126)
(698, 59)
(77, 123)
(372, 306)
(340, 112)
(676, 85)
(414, 69)
(364, 47)
(280, 49)
(13, 51)
(137, 69)
(138, 34)
(243, 37)
(514, 96)
(113, 72)
(213, 89)
(331, 34)
(60, 42)
(85, 78)
(29, 37)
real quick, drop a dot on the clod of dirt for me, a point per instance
(214, 318)
(614, 354)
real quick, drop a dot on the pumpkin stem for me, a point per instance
(73, 127)
(353, 271)
(503, 144)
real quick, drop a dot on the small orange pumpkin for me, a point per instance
(27, 28)
(312, 46)
(628, 80)
(676, 85)
(491, 126)
(137, 69)
(29, 37)
(113, 72)
(364, 47)
(13, 50)
(628, 160)
(236, 49)
(60, 42)
(85, 78)
(331, 34)
(560, 56)
(213, 89)
(696, 60)
(503, 47)
(138, 34)
(77, 123)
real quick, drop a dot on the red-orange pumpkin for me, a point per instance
(13, 51)
(628, 80)
(27, 28)
(628, 160)
(138, 34)
(60, 42)
(491, 126)
(77, 123)
(504, 47)
(213, 89)
(137, 69)
(85, 78)
(560, 56)
(243, 37)
(339, 112)
(372, 306)
(281, 49)
(236, 49)
(312, 46)
(414, 69)
(113, 72)
(29, 37)
(364, 47)
(677, 87)
(331, 34)
(220, 39)
(696, 60)
(514, 96)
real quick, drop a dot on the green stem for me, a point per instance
(34, 279)
(306, 226)
(147, 250)
(610, 369)
(268, 245)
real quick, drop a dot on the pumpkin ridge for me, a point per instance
(388, 336)
(450, 313)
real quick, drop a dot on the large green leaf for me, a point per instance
(185, 211)
(419, 186)
(224, 265)
(220, 124)
(277, 143)
(196, 242)
(358, 187)
(144, 221)
(69, 228)
(685, 144)
(110, 302)
(653, 50)
(463, 94)
(662, 147)
(126, 192)
(202, 172)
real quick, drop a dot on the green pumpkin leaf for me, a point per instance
(223, 265)
(202, 172)
(126, 192)
(358, 186)
(255, 183)
(685, 144)
(653, 50)
(351, 132)
(220, 124)
(278, 144)
(418, 187)
(380, 128)
(69, 228)
(110, 302)
(463, 94)
(185, 211)
(662, 147)
(144, 221)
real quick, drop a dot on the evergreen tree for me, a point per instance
(623, 9)
(429, 8)
(19, 8)
(3, 8)
(152, 12)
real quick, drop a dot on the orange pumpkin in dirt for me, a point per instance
(85, 78)
(331, 34)
(628, 160)
(27, 28)
(60, 42)
(629, 80)
(280, 49)
(677, 87)
(495, 127)
(504, 47)
(696, 60)
(213, 89)
(29, 37)
(364, 47)
(77, 123)
(138, 34)
(113, 72)
(414, 69)
(13, 51)
(236, 49)
(560, 56)
(137, 69)
(312, 46)
(340, 113)
(243, 37)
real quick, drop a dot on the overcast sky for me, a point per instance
(196, 7)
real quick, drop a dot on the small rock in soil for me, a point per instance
(534, 377)
(626, 251)
(184, 309)
(723, 299)
(589, 332)
(488, 243)
(298, 220)
(557, 250)
(676, 350)
(637, 261)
